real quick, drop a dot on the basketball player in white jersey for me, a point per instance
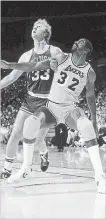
(39, 83)
(72, 75)
(70, 78)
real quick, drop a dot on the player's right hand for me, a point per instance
(4, 64)
(53, 64)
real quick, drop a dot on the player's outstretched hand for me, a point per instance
(53, 64)
(4, 64)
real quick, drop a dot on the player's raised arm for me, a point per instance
(12, 77)
(31, 66)
(56, 53)
(90, 95)
(9, 79)
(26, 66)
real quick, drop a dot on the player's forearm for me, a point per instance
(21, 66)
(30, 66)
(92, 105)
(5, 82)
(11, 78)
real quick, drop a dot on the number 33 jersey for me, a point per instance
(69, 81)
(39, 82)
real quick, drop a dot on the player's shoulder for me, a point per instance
(57, 54)
(55, 50)
(25, 55)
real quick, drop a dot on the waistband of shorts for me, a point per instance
(63, 104)
(43, 96)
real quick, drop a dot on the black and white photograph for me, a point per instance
(53, 110)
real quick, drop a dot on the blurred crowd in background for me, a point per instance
(69, 23)
(13, 96)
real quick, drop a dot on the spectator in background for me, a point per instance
(61, 134)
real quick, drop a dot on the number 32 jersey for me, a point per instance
(69, 81)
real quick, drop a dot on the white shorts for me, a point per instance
(62, 113)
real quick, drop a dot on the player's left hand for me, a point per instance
(53, 64)
(4, 64)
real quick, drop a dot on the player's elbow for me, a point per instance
(90, 92)
(90, 95)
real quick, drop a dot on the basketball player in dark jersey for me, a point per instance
(61, 105)
(38, 90)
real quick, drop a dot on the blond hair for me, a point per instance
(47, 27)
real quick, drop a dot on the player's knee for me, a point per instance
(86, 129)
(31, 126)
(42, 117)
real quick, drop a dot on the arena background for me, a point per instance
(70, 21)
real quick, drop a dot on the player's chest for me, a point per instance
(42, 75)
(39, 58)
(68, 73)
(70, 78)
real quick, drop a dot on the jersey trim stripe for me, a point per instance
(25, 110)
(83, 66)
(64, 60)
(44, 96)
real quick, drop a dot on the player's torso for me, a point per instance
(68, 82)
(39, 82)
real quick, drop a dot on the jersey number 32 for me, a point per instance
(63, 79)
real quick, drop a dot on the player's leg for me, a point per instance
(30, 127)
(34, 128)
(39, 127)
(41, 144)
(12, 144)
(85, 127)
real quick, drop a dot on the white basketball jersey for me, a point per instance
(69, 81)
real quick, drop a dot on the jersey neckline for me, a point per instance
(83, 66)
(43, 51)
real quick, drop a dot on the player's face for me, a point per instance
(74, 46)
(38, 31)
(81, 48)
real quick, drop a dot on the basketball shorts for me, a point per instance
(32, 104)
(59, 113)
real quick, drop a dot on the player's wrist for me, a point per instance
(93, 117)
(10, 65)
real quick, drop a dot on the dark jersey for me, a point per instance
(39, 82)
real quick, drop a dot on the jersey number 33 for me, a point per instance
(43, 75)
